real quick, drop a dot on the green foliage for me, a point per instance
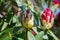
(30, 36)
(41, 35)
(11, 27)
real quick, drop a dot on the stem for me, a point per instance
(49, 2)
(51, 33)
(10, 36)
(26, 34)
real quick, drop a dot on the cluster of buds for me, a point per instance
(47, 18)
(27, 19)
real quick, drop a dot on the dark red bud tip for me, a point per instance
(27, 11)
(58, 16)
(33, 33)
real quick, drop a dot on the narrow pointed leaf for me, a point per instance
(4, 26)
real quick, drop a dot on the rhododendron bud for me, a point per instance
(28, 19)
(47, 18)
(55, 2)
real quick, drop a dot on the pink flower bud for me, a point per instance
(55, 2)
(47, 18)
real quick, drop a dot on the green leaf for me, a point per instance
(16, 29)
(1, 0)
(5, 38)
(4, 26)
(39, 36)
(9, 9)
(19, 2)
(19, 38)
(15, 19)
(5, 32)
(35, 29)
(30, 36)
(36, 21)
(45, 37)
(10, 36)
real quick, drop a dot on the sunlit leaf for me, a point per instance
(39, 36)
(30, 36)
(6, 38)
(20, 39)
(4, 26)
(35, 29)
(15, 19)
